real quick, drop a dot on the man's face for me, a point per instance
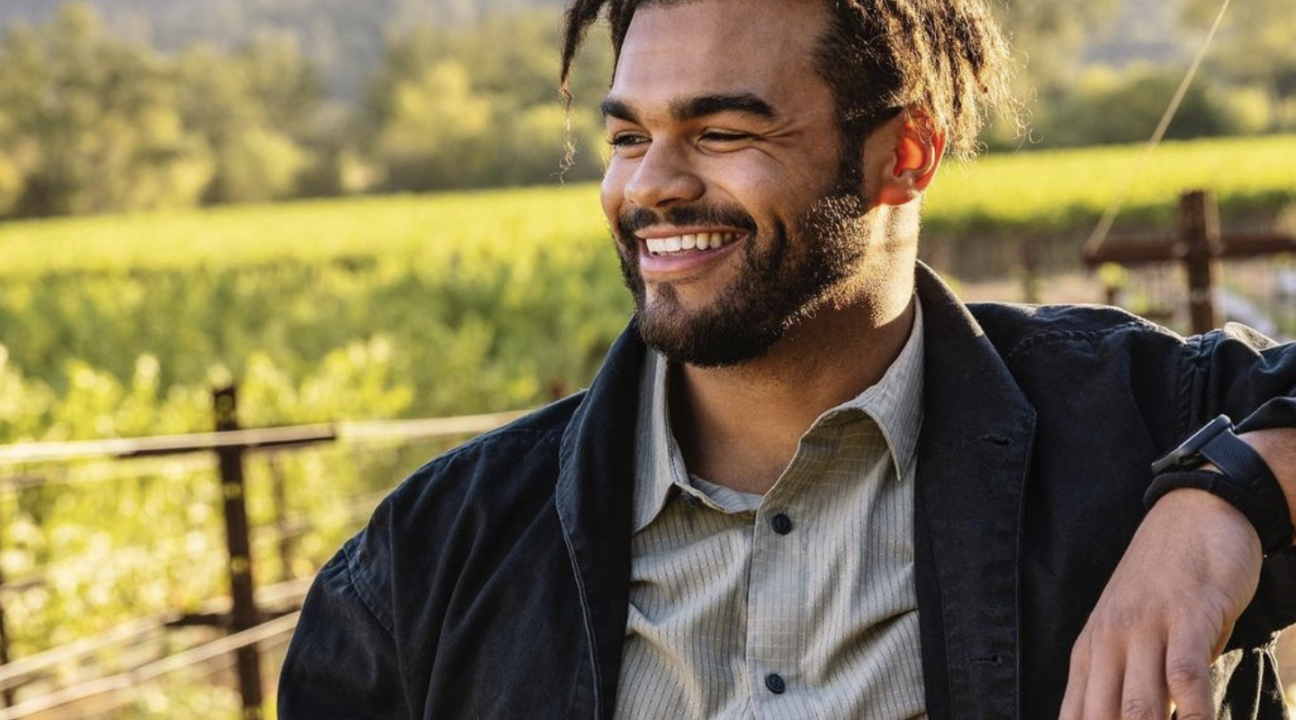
(735, 215)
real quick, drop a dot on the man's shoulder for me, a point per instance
(1016, 329)
(547, 423)
(519, 458)
(463, 514)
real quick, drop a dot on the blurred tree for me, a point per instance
(512, 125)
(282, 83)
(1256, 47)
(255, 110)
(1125, 107)
(1049, 36)
(90, 123)
(11, 182)
(1048, 39)
(437, 132)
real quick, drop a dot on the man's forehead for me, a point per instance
(777, 24)
(677, 48)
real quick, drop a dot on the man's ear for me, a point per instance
(912, 148)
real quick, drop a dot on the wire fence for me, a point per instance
(159, 631)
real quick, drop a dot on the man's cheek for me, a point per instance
(612, 191)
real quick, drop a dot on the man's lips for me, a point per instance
(678, 251)
(661, 244)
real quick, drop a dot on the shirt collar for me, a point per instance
(659, 464)
(894, 403)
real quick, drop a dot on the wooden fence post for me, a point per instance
(7, 696)
(1028, 256)
(1199, 231)
(245, 614)
(279, 489)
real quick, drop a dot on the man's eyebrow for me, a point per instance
(614, 108)
(697, 107)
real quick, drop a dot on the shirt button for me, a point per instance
(781, 523)
(775, 683)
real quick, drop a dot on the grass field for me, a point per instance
(465, 282)
(1066, 191)
(1058, 193)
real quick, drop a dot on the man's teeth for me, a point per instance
(679, 243)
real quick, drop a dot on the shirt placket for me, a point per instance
(778, 617)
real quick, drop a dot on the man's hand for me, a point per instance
(1166, 614)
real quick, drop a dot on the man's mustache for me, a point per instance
(630, 223)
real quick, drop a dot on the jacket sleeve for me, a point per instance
(1245, 375)
(342, 662)
(1252, 379)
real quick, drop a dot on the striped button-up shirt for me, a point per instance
(797, 604)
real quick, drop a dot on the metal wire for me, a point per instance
(1109, 216)
(127, 680)
(13, 674)
(345, 511)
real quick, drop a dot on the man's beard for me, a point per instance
(784, 277)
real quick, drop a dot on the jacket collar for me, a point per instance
(595, 480)
(973, 456)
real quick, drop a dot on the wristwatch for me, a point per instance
(1242, 478)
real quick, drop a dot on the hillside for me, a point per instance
(1143, 31)
(344, 37)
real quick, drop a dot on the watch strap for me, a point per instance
(1188, 455)
(1255, 500)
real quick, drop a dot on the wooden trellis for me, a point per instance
(1199, 247)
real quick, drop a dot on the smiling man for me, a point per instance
(808, 482)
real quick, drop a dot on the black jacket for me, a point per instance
(493, 582)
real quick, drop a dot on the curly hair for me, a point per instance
(945, 57)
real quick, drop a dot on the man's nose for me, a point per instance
(664, 177)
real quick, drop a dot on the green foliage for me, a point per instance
(1254, 48)
(438, 134)
(423, 283)
(254, 110)
(123, 271)
(1125, 107)
(1048, 37)
(89, 124)
(25, 405)
(479, 107)
(1060, 194)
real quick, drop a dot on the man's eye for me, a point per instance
(626, 141)
(724, 136)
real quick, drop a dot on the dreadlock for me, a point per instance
(946, 57)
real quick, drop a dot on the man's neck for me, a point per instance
(740, 426)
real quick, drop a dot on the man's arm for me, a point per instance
(1278, 448)
(1168, 610)
(342, 659)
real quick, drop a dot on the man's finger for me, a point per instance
(1106, 680)
(1077, 677)
(1144, 694)
(1187, 671)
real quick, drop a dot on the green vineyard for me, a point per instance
(375, 308)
